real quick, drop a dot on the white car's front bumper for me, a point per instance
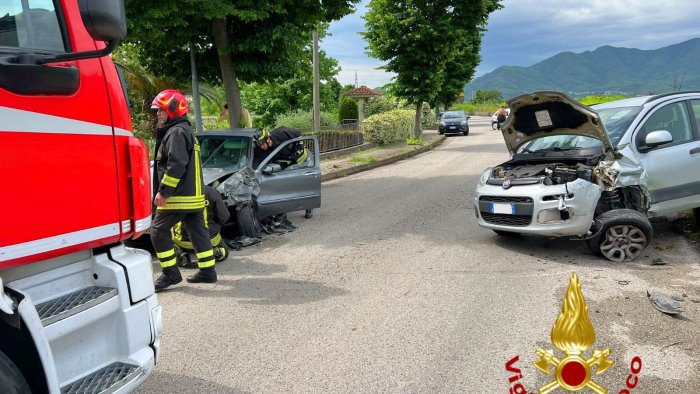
(549, 210)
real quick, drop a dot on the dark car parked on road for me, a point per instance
(453, 122)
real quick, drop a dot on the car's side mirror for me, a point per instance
(272, 168)
(105, 20)
(658, 137)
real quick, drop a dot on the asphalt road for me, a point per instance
(392, 287)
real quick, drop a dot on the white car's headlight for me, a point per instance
(485, 176)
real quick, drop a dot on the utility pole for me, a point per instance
(316, 93)
(195, 92)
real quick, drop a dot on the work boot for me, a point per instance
(184, 261)
(205, 275)
(220, 253)
(170, 276)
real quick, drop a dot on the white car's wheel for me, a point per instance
(624, 234)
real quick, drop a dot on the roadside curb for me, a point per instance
(346, 151)
(364, 167)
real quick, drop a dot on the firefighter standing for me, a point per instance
(180, 192)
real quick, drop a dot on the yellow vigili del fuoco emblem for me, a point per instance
(573, 334)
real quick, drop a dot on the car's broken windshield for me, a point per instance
(224, 152)
(560, 143)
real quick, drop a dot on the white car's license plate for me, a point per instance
(503, 208)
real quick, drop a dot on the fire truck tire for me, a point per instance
(248, 223)
(11, 379)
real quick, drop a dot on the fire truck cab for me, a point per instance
(78, 311)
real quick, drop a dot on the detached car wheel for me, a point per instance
(248, 223)
(623, 235)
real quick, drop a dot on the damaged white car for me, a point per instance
(594, 174)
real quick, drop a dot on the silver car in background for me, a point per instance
(594, 173)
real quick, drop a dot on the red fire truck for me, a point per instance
(78, 312)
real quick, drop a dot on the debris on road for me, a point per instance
(657, 261)
(665, 304)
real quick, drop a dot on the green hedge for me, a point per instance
(388, 127)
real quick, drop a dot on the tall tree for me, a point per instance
(460, 69)
(244, 40)
(416, 39)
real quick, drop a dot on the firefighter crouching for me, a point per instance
(216, 215)
(180, 192)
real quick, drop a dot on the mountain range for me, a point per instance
(606, 70)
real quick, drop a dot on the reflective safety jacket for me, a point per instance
(179, 168)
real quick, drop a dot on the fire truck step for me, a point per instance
(68, 305)
(106, 380)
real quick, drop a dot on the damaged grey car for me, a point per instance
(254, 191)
(595, 174)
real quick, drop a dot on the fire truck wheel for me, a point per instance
(11, 379)
(248, 223)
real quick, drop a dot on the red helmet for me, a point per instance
(171, 101)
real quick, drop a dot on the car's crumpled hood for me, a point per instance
(539, 114)
(212, 174)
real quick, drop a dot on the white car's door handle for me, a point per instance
(310, 174)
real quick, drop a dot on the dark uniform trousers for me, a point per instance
(163, 241)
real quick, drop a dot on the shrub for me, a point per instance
(428, 118)
(347, 109)
(303, 120)
(377, 105)
(388, 127)
(414, 141)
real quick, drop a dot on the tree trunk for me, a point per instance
(417, 129)
(228, 75)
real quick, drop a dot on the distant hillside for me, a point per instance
(602, 71)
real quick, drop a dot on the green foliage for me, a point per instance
(428, 118)
(271, 99)
(347, 109)
(419, 39)
(232, 40)
(363, 159)
(477, 108)
(388, 127)
(378, 104)
(303, 120)
(414, 141)
(593, 100)
(485, 96)
(460, 69)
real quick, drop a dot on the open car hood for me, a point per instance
(539, 114)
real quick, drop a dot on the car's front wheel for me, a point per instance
(466, 132)
(623, 235)
(248, 223)
(494, 125)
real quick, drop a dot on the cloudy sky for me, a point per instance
(525, 32)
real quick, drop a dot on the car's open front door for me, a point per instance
(292, 188)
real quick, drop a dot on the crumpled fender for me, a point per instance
(241, 187)
(625, 171)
